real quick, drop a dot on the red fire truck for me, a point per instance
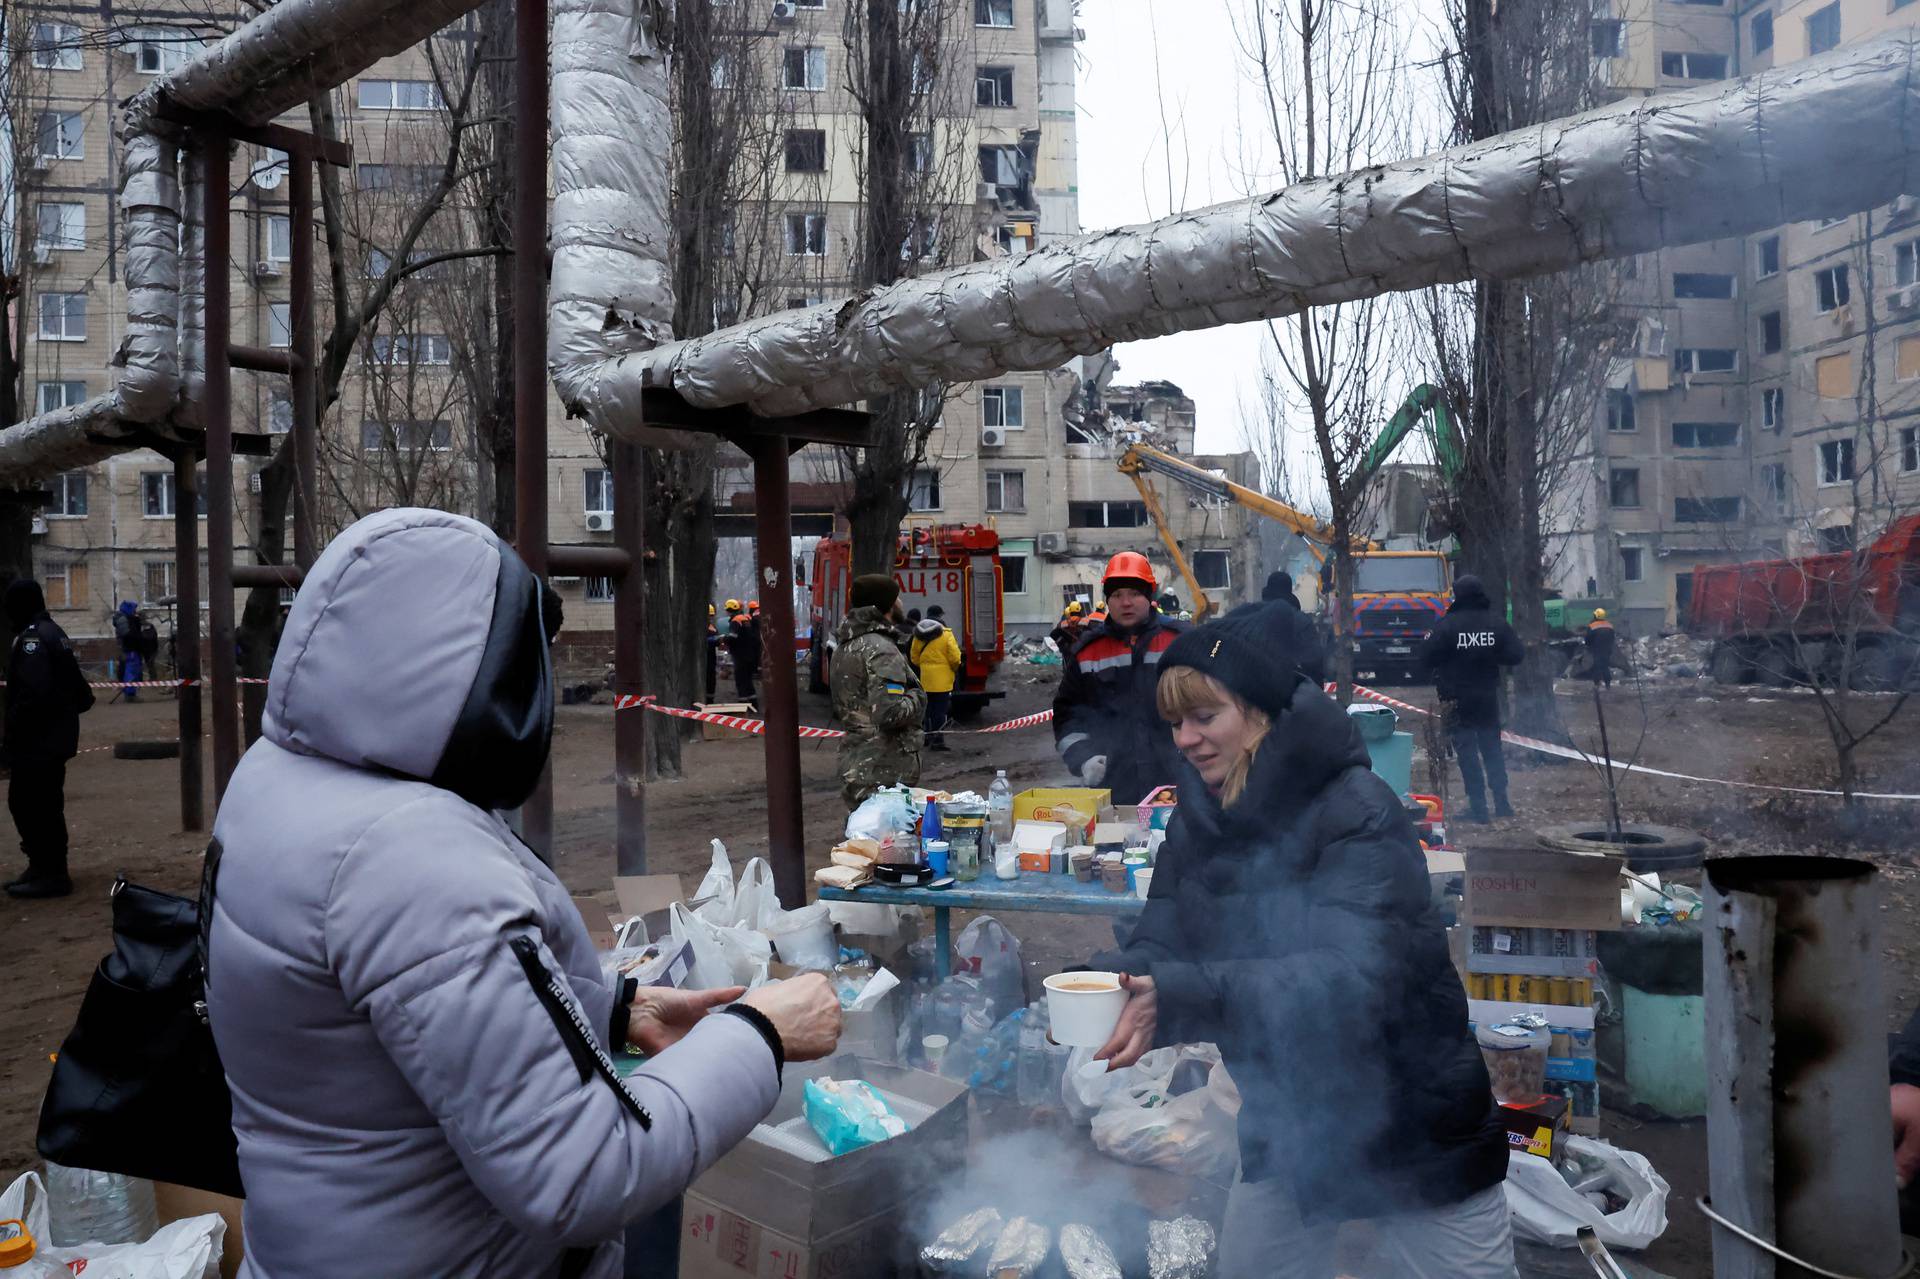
(956, 566)
(1773, 619)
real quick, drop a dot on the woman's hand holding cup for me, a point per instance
(1138, 1021)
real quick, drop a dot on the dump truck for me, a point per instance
(956, 566)
(1795, 620)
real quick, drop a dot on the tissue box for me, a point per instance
(1037, 841)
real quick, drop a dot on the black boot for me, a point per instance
(41, 883)
(1501, 808)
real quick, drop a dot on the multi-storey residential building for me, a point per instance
(1746, 420)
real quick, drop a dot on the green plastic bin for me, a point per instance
(1389, 753)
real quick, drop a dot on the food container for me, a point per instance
(1156, 810)
(903, 874)
(1113, 874)
(1081, 859)
(936, 851)
(1134, 864)
(1516, 1058)
(1083, 1008)
(965, 826)
(1143, 882)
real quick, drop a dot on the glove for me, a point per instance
(1093, 771)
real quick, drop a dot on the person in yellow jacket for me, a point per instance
(935, 654)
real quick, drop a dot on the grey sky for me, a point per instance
(1125, 161)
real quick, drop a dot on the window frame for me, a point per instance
(60, 135)
(789, 150)
(427, 90)
(1706, 505)
(279, 325)
(1844, 458)
(1616, 47)
(1209, 555)
(1614, 480)
(1638, 573)
(1008, 574)
(1686, 61)
(1695, 280)
(597, 590)
(50, 53)
(807, 222)
(276, 244)
(994, 490)
(1773, 332)
(1822, 15)
(596, 486)
(1620, 408)
(1909, 450)
(1675, 429)
(1691, 366)
(807, 65)
(923, 489)
(67, 302)
(985, 9)
(1906, 263)
(1773, 408)
(63, 573)
(169, 579)
(1753, 32)
(69, 392)
(62, 238)
(1832, 288)
(1764, 248)
(995, 82)
(406, 436)
(1775, 483)
(392, 350)
(996, 396)
(62, 488)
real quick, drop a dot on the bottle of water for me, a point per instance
(1034, 1089)
(975, 1029)
(85, 1206)
(1000, 808)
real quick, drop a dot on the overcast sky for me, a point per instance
(1124, 168)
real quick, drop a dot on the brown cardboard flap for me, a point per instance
(599, 923)
(645, 894)
(1538, 888)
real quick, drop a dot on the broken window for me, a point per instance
(1767, 255)
(806, 234)
(1702, 284)
(1009, 170)
(1831, 289)
(1213, 570)
(1620, 411)
(1106, 514)
(993, 86)
(923, 238)
(1770, 332)
(1706, 510)
(1631, 566)
(993, 13)
(1773, 407)
(1003, 406)
(806, 150)
(1705, 359)
(1694, 66)
(923, 490)
(1705, 435)
(1773, 480)
(1836, 462)
(1609, 37)
(1623, 487)
(1906, 263)
(920, 152)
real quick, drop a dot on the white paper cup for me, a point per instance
(1142, 881)
(1084, 1018)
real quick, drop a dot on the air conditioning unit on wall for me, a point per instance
(599, 521)
(1051, 543)
(784, 11)
(992, 437)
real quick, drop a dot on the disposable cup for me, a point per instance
(1084, 1017)
(1142, 882)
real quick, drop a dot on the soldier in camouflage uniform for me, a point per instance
(875, 694)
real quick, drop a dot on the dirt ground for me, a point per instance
(125, 819)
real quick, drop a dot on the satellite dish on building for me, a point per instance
(268, 169)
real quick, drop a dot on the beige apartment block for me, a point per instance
(1747, 419)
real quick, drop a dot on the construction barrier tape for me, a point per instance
(1568, 752)
(758, 727)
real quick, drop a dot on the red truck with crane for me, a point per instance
(1798, 619)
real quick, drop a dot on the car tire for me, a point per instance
(1646, 847)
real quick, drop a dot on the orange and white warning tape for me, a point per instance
(1569, 752)
(758, 727)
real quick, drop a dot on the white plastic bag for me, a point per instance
(987, 950)
(184, 1249)
(1546, 1209)
(1193, 1134)
(881, 814)
(1086, 1084)
(714, 898)
(804, 938)
(723, 954)
(755, 904)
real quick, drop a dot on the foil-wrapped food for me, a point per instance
(1179, 1249)
(1021, 1250)
(961, 1242)
(1086, 1255)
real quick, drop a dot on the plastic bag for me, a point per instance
(714, 898)
(1086, 1084)
(184, 1249)
(755, 904)
(723, 955)
(989, 951)
(1548, 1209)
(804, 938)
(847, 1114)
(1193, 1133)
(881, 814)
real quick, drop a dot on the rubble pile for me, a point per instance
(1670, 656)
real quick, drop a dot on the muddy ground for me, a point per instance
(125, 819)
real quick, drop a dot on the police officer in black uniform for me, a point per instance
(1464, 654)
(45, 696)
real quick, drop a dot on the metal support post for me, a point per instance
(306, 443)
(217, 407)
(186, 637)
(1799, 1138)
(779, 689)
(629, 661)
(529, 338)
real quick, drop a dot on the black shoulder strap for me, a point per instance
(209, 872)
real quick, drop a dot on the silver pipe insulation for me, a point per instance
(1824, 137)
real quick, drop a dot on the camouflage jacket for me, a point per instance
(879, 703)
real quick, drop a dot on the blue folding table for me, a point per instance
(1053, 894)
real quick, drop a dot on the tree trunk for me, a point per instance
(678, 577)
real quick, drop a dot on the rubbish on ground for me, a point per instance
(847, 1114)
(1179, 1249)
(1085, 1255)
(961, 1242)
(1550, 1205)
(1020, 1251)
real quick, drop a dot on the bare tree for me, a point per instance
(1524, 361)
(1327, 76)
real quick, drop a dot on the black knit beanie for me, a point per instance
(877, 590)
(1247, 652)
(1279, 583)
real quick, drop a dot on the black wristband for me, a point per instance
(622, 1014)
(759, 1021)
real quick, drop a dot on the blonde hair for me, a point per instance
(1183, 690)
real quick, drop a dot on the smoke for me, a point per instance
(1052, 1175)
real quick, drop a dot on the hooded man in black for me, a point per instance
(45, 696)
(1464, 655)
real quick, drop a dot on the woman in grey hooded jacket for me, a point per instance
(410, 1014)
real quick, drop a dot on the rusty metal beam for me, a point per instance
(591, 561)
(262, 359)
(217, 407)
(629, 658)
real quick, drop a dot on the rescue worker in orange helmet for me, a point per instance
(1066, 635)
(1106, 724)
(713, 654)
(1600, 640)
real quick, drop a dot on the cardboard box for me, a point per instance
(776, 1207)
(599, 923)
(1536, 1129)
(716, 732)
(1533, 952)
(650, 897)
(1583, 1103)
(176, 1203)
(1536, 888)
(1039, 804)
(865, 1032)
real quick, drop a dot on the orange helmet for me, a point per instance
(753, 606)
(1129, 569)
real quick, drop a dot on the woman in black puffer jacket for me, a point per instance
(1290, 922)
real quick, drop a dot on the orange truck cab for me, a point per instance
(956, 566)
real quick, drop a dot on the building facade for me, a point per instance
(1768, 399)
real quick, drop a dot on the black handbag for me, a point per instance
(138, 1088)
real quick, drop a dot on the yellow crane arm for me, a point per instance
(1202, 606)
(1144, 458)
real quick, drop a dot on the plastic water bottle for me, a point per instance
(1034, 1085)
(1000, 808)
(975, 1029)
(85, 1206)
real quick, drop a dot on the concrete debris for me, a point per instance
(1670, 656)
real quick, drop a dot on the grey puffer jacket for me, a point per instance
(408, 1008)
